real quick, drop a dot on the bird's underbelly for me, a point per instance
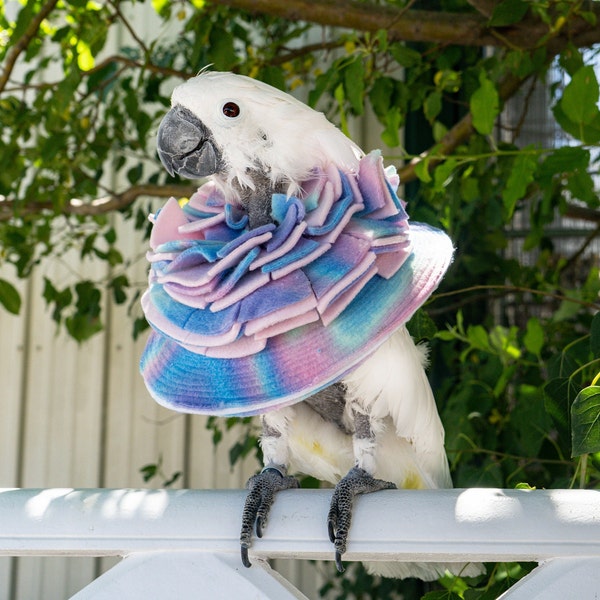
(322, 450)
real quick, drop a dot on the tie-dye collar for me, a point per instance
(232, 306)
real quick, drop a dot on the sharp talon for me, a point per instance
(357, 481)
(331, 531)
(261, 492)
(245, 561)
(338, 562)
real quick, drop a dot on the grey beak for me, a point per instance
(186, 146)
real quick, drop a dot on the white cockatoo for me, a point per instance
(370, 421)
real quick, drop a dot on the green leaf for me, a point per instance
(354, 85)
(582, 186)
(534, 336)
(589, 133)
(273, 76)
(508, 12)
(380, 96)
(478, 337)
(86, 321)
(585, 422)
(323, 82)
(439, 131)
(446, 335)
(61, 299)
(557, 399)
(393, 121)
(139, 326)
(421, 326)
(521, 175)
(485, 106)
(595, 336)
(567, 159)
(222, 50)
(82, 327)
(135, 173)
(9, 297)
(422, 170)
(173, 479)
(432, 106)
(529, 419)
(442, 174)
(119, 285)
(571, 59)
(580, 98)
(23, 21)
(149, 471)
(405, 56)
(524, 486)
(340, 97)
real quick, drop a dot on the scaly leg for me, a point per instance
(272, 479)
(359, 480)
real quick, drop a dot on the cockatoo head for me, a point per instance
(248, 134)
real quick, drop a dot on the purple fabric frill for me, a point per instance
(222, 290)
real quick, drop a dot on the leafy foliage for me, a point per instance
(514, 330)
(155, 471)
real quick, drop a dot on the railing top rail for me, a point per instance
(434, 525)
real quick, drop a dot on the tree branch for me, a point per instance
(485, 7)
(22, 43)
(117, 59)
(106, 204)
(412, 25)
(466, 29)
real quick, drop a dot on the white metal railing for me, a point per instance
(184, 544)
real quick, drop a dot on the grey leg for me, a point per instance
(358, 480)
(272, 479)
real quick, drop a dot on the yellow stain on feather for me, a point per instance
(317, 449)
(412, 481)
(313, 447)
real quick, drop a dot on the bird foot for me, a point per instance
(261, 494)
(357, 481)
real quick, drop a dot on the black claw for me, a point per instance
(245, 560)
(357, 481)
(331, 530)
(261, 493)
(338, 562)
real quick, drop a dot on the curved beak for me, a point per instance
(185, 145)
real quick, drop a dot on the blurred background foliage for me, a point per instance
(450, 86)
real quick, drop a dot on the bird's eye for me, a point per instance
(231, 110)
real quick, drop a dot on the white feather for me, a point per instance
(392, 383)
(274, 132)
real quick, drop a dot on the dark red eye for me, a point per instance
(231, 110)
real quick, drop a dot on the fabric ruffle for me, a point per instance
(222, 290)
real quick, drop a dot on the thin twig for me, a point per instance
(518, 289)
(109, 203)
(129, 28)
(572, 260)
(21, 45)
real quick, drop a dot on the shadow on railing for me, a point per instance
(184, 544)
